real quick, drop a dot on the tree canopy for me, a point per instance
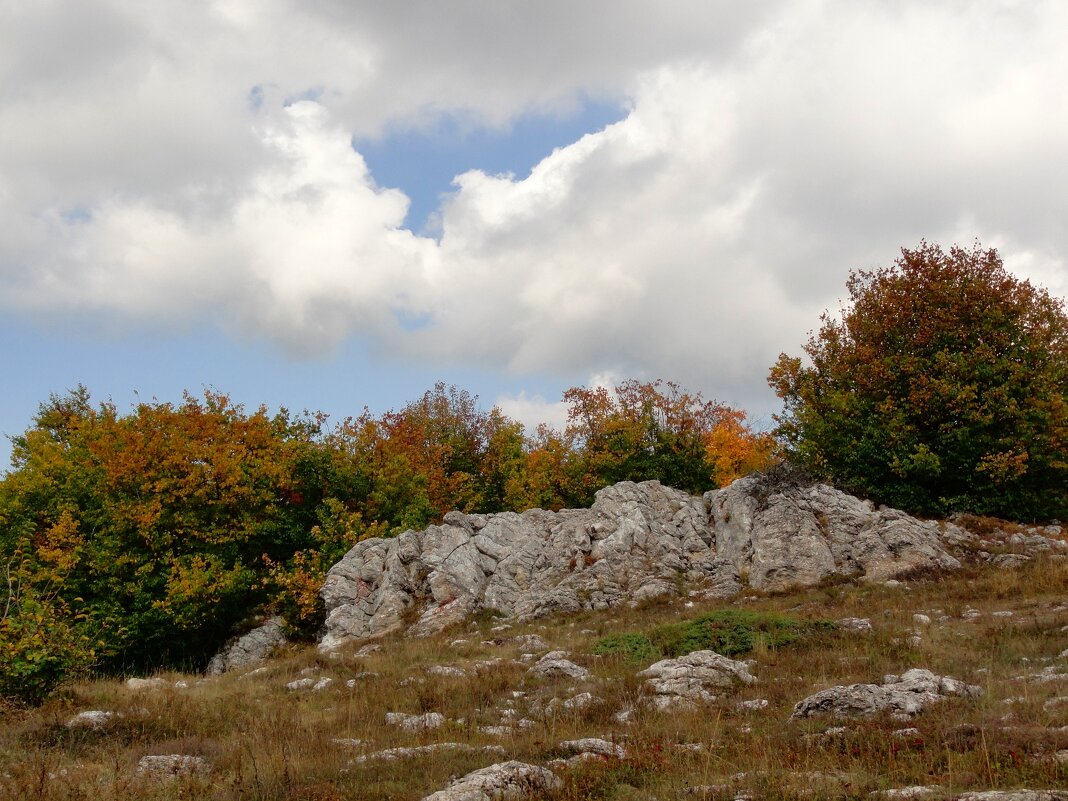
(942, 387)
(145, 539)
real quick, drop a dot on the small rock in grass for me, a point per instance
(921, 620)
(367, 650)
(322, 684)
(593, 745)
(753, 705)
(858, 624)
(909, 695)
(144, 684)
(300, 684)
(505, 780)
(168, 767)
(554, 665)
(446, 670)
(915, 791)
(94, 719)
(690, 678)
(430, 720)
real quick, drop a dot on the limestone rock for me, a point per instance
(94, 719)
(431, 720)
(394, 754)
(593, 745)
(249, 650)
(638, 542)
(555, 664)
(694, 678)
(505, 780)
(797, 535)
(903, 696)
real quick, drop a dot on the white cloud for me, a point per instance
(151, 170)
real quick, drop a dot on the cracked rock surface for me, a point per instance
(903, 697)
(505, 780)
(638, 542)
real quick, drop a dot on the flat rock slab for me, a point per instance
(902, 696)
(505, 780)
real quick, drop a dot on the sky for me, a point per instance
(329, 204)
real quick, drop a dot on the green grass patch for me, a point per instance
(729, 632)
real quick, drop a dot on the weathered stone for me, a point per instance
(694, 678)
(249, 650)
(903, 697)
(446, 670)
(168, 767)
(430, 720)
(638, 542)
(593, 745)
(861, 624)
(145, 684)
(393, 754)
(554, 664)
(799, 536)
(91, 719)
(504, 781)
(915, 791)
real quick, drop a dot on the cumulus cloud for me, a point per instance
(170, 166)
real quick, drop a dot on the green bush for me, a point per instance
(41, 644)
(942, 388)
(729, 632)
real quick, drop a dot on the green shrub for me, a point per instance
(729, 632)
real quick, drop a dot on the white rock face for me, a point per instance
(636, 543)
(167, 767)
(249, 650)
(505, 780)
(801, 535)
(694, 678)
(903, 696)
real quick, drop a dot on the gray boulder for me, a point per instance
(693, 679)
(638, 542)
(250, 649)
(903, 697)
(505, 780)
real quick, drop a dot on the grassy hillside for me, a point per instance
(263, 741)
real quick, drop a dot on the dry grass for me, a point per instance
(267, 743)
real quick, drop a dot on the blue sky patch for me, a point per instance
(423, 162)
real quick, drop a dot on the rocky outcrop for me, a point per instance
(796, 535)
(637, 542)
(249, 650)
(903, 697)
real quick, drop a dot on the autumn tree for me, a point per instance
(943, 386)
(165, 517)
(640, 431)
